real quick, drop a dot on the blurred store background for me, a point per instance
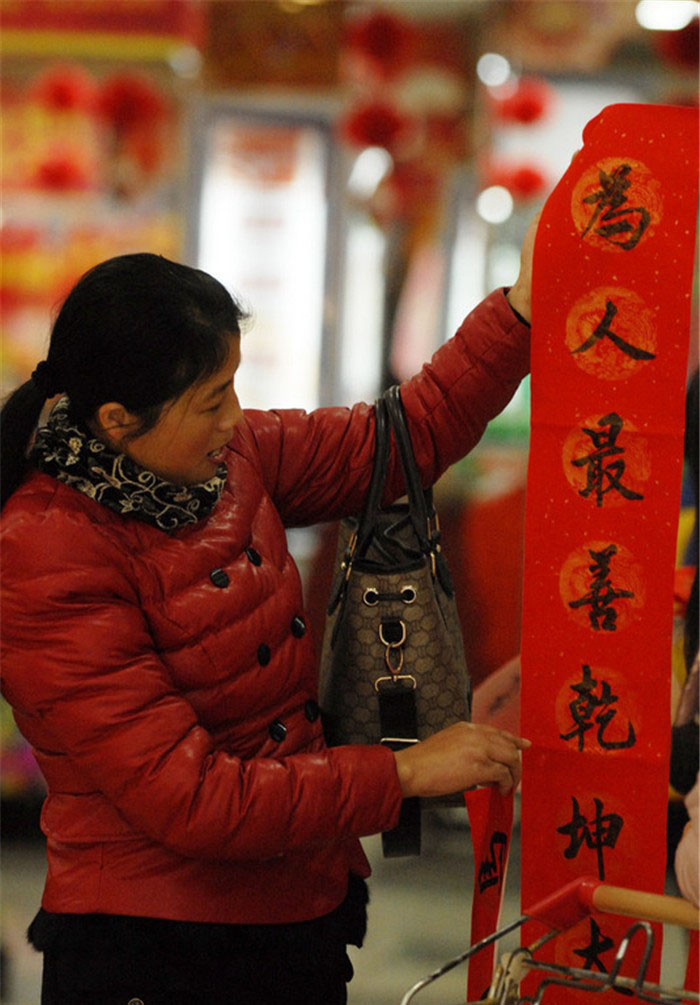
(361, 174)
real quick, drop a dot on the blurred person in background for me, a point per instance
(685, 734)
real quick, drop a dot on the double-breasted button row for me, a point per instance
(298, 627)
(277, 730)
(220, 577)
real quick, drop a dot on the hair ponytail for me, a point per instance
(18, 420)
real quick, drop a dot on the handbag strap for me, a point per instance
(399, 728)
(362, 536)
(420, 500)
(390, 417)
(382, 448)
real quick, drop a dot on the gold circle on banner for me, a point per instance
(606, 461)
(611, 333)
(602, 587)
(616, 204)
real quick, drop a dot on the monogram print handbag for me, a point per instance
(392, 666)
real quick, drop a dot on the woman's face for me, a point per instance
(186, 444)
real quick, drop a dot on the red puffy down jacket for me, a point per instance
(166, 682)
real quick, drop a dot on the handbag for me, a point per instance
(392, 662)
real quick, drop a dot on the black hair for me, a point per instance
(137, 329)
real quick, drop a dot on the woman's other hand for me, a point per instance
(519, 293)
(458, 757)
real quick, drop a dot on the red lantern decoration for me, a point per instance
(131, 99)
(64, 88)
(529, 103)
(62, 173)
(375, 124)
(386, 41)
(527, 182)
(523, 181)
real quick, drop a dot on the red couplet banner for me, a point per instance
(491, 824)
(610, 320)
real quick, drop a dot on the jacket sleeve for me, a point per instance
(95, 700)
(317, 466)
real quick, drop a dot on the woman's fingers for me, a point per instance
(506, 784)
(456, 758)
(519, 294)
(507, 758)
(500, 775)
(520, 741)
(512, 741)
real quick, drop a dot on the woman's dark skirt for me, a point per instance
(115, 960)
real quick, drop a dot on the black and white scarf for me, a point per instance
(65, 449)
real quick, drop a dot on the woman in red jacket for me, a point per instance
(202, 841)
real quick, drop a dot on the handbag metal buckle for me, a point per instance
(392, 643)
(392, 634)
(396, 679)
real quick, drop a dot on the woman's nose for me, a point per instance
(231, 414)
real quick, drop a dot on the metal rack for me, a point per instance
(563, 909)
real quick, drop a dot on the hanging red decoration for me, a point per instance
(529, 103)
(388, 42)
(131, 99)
(62, 173)
(375, 124)
(65, 87)
(409, 96)
(523, 181)
(680, 48)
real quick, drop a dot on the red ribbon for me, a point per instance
(491, 822)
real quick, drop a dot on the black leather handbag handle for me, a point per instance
(373, 501)
(367, 519)
(390, 417)
(420, 500)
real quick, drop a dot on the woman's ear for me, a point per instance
(114, 423)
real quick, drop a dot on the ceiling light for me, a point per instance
(494, 204)
(492, 69)
(368, 171)
(666, 15)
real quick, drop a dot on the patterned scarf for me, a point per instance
(66, 450)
